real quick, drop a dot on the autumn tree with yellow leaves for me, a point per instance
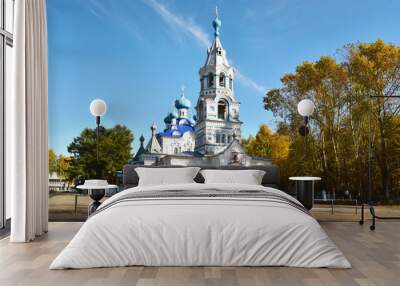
(341, 88)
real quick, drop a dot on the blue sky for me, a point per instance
(136, 54)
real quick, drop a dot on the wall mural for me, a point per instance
(184, 85)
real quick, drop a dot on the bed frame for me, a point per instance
(270, 179)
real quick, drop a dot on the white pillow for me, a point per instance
(248, 177)
(166, 176)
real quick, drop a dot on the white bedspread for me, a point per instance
(200, 231)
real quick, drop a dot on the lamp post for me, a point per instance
(96, 188)
(305, 108)
(305, 185)
(98, 108)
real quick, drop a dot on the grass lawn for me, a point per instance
(62, 207)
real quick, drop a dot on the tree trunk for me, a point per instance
(384, 165)
(324, 162)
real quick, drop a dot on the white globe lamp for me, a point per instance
(305, 107)
(98, 107)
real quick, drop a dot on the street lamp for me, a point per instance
(96, 188)
(98, 108)
(305, 108)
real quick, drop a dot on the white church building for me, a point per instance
(213, 136)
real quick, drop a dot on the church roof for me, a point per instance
(141, 149)
(216, 55)
(176, 132)
(182, 102)
(170, 116)
(234, 143)
(153, 146)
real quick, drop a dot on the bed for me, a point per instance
(201, 224)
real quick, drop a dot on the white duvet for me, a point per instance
(200, 231)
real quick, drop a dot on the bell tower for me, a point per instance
(217, 109)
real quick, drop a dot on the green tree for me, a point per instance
(114, 153)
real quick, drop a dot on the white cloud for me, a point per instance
(97, 8)
(194, 30)
(174, 20)
(111, 12)
(94, 12)
(246, 81)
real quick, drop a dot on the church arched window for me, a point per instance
(222, 109)
(176, 150)
(230, 83)
(218, 138)
(222, 79)
(200, 110)
(210, 80)
(223, 138)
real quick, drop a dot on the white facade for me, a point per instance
(233, 154)
(178, 135)
(217, 109)
(178, 144)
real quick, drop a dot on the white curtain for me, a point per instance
(27, 149)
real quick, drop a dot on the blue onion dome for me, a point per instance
(169, 117)
(216, 23)
(182, 102)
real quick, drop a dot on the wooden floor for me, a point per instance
(375, 257)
